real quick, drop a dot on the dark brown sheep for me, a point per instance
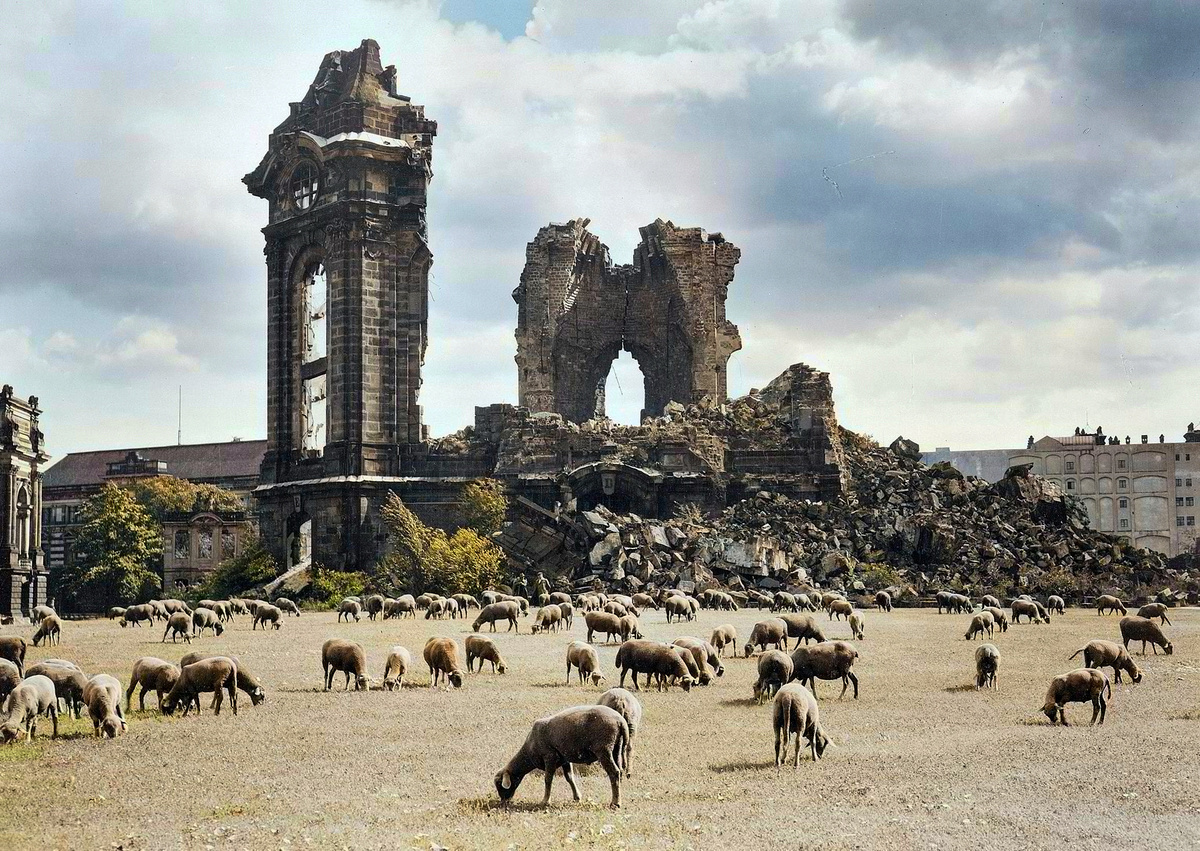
(883, 602)
(773, 631)
(178, 624)
(987, 666)
(485, 650)
(1144, 630)
(1078, 686)
(1109, 603)
(774, 669)
(441, 655)
(504, 610)
(802, 628)
(603, 622)
(1150, 611)
(339, 655)
(50, 631)
(12, 648)
(580, 735)
(830, 660)
(207, 675)
(796, 713)
(247, 683)
(654, 659)
(151, 674)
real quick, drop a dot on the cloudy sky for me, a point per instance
(983, 224)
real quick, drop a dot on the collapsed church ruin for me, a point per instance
(346, 176)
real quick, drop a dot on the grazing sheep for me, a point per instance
(134, 615)
(1101, 654)
(696, 659)
(224, 611)
(521, 602)
(707, 658)
(267, 614)
(440, 607)
(784, 600)
(809, 604)
(802, 628)
(1078, 686)
(178, 624)
(883, 602)
(856, 625)
(840, 609)
(31, 698)
(962, 603)
(583, 657)
(246, 681)
(547, 619)
(774, 669)
(830, 660)
(588, 603)
(604, 622)
(116, 612)
(989, 601)
(426, 600)
(40, 613)
(103, 698)
(489, 596)
(761, 600)
(1111, 604)
(350, 609)
(643, 601)
(373, 606)
(999, 618)
(795, 713)
(774, 631)
(1028, 608)
(406, 605)
(238, 605)
(339, 655)
(654, 659)
(560, 597)
(980, 624)
(630, 709)
(630, 627)
(1154, 610)
(174, 606)
(466, 602)
(724, 636)
(624, 599)
(207, 604)
(10, 676)
(1043, 613)
(943, 600)
(441, 655)
(49, 631)
(151, 674)
(1144, 630)
(1056, 604)
(828, 597)
(987, 665)
(203, 619)
(580, 735)
(205, 675)
(69, 682)
(12, 648)
(506, 610)
(485, 650)
(677, 608)
(159, 610)
(287, 606)
(568, 614)
(399, 660)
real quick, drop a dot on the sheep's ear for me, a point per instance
(506, 780)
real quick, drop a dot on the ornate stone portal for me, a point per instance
(23, 577)
(576, 312)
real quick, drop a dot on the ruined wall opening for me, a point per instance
(314, 342)
(623, 395)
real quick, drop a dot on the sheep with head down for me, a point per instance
(796, 713)
(50, 631)
(1108, 654)
(724, 636)
(1111, 604)
(1150, 611)
(12, 648)
(583, 659)
(399, 661)
(773, 631)
(340, 655)
(774, 669)
(580, 735)
(103, 699)
(658, 661)
(627, 705)
(987, 666)
(33, 697)
(485, 650)
(829, 660)
(178, 624)
(1146, 631)
(1079, 686)
(441, 655)
(151, 674)
(207, 675)
(10, 678)
(69, 682)
(247, 683)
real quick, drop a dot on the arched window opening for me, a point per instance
(314, 307)
(304, 185)
(624, 391)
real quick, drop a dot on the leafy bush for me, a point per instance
(421, 558)
(163, 495)
(252, 567)
(330, 587)
(484, 506)
(877, 576)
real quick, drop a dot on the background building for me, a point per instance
(192, 543)
(22, 456)
(1144, 491)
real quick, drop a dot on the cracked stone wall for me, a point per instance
(577, 311)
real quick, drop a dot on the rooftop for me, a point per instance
(201, 462)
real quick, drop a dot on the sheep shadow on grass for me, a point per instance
(960, 688)
(738, 766)
(740, 701)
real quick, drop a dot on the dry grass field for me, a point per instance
(920, 761)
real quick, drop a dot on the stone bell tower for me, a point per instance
(23, 576)
(345, 177)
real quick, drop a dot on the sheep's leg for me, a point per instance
(1095, 710)
(1103, 706)
(614, 777)
(854, 680)
(568, 771)
(218, 699)
(142, 699)
(548, 768)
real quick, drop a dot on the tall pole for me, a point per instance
(179, 432)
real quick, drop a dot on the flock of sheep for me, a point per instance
(603, 732)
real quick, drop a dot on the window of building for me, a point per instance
(1191, 520)
(1178, 502)
(305, 181)
(1123, 503)
(1176, 456)
(1121, 464)
(313, 371)
(1124, 523)
(183, 544)
(1179, 483)
(228, 544)
(1070, 466)
(1179, 520)
(1189, 482)
(206, 544)
(1187, 456)
(1122, 484)
(1070, 484)
(1189, 501)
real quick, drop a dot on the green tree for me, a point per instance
(114, 553)
(422, 558)
(163, 495)
(251, 567)
(483, 506)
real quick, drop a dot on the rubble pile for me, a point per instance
(900, 524)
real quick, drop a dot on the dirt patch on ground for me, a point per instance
(918, 761)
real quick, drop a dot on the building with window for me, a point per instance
(192, 544)
(22, 456)
(1145, 491)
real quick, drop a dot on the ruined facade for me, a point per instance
(345, 176)
(577, 312)
(23, 576)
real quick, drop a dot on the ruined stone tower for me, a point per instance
(345, 176)
(576, 312)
